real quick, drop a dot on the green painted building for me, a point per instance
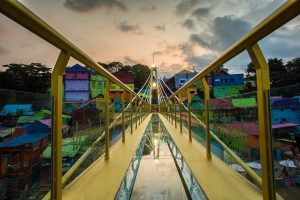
(225, 91)
(97, 84)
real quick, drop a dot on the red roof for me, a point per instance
(250, 128)
(126, 78)
(275, 126)
(221, 103)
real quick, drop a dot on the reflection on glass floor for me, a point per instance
(157, 176)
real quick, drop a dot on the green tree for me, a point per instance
(280, 74)
(293, 69)
(34, 77)
(140, 73)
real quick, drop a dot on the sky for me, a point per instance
(180, 34)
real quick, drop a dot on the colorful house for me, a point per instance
(244, 102)
(77, 87)
(16, 110)
(97, 84)
(115, 90)
(183, 77)
(227, 85)
(286, 110)
(39, 115)
(19, 154)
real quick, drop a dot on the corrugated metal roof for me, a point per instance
(287, 103)
(284, 125)
(244, 102)
(13, 109)
(23, 139)
(221, 103)
(250, 128)
(77, 68)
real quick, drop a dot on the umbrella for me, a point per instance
(287, 163)
(236, 167)
(254, 165)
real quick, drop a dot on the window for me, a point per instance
(181, 81)
(231, 80)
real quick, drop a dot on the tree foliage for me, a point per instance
(140, 72)
(34, 77)
(280, 74)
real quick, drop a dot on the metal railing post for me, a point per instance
(131, 113)
(175, 117)
(171, 113)
(123, 115)
(180, 112)
(189, 115)
(206, 106)
(107, 110)
(56, 85)
(264, 122)
(136, 112)
(140, 112)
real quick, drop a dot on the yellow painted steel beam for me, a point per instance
(180, 112)
(285, 13)
(189, 115)
(25, 17)
(136, 112)
(123, 115)
(131, 113)
(264, 122)
(206, 106)
(175, 115)
(56, 85)
(107, 110)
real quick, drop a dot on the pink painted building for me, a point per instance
(77, 84)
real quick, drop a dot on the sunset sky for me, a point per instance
(180, 33)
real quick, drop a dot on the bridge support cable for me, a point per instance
(235, 157)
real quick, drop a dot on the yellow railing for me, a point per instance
(22, 15)
(279, 17)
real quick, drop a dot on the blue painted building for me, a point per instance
(286, 110)
(228, 80)
(183, 77)
(227, 85)
(16, 109)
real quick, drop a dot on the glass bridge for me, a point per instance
(157, 144)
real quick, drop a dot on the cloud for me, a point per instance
(157, 53)
(221, 33)
(200, 61)
(160, 27)
(189, 24)
(125, 27)
(89, 5)
(4, 50)
(148, 8)
(185, 6)
(129, 61)
(283, 43)
(200, 12)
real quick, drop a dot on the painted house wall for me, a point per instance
(77, 85)
(285, 115)
(97, 84)
(182, 78)
(225, 91)
(76, 96)
(77, 75)
(228, 80)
